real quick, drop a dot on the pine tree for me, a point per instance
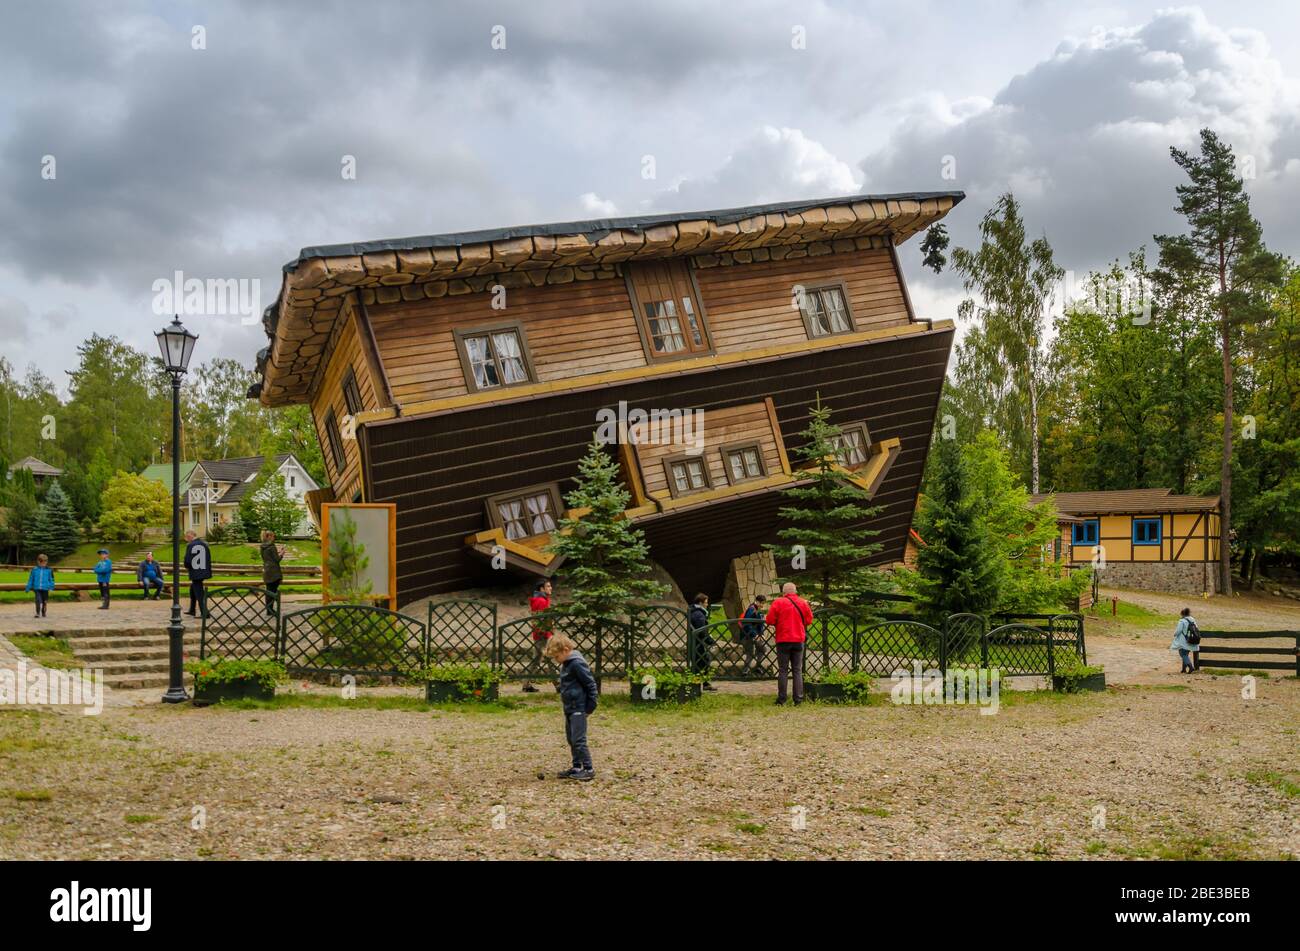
(347, 562)
(54, 531)
(958, 569)
(826, 532)
(1223, 262)
(606, 558)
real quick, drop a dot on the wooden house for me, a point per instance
(1146, 538)
(213, 488)
(461, 376)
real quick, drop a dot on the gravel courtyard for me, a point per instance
(1182, 769)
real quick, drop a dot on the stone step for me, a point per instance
(82, 645)
(99, 657)
(136, 681)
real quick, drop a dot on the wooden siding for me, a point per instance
(748, 422)
(348, 352)
(587, 327)
(571, 329)
(752, 305)
(439, 468)
(1184, 537)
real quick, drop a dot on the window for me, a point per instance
(686, 474)
(494, 357)
(526, 513)
(335, 440)
(292, 481)
(1146, 531)
(1085, 533)
(743, 462)
(826, 310)
(666, 301)
(853, 444)
(351, 393)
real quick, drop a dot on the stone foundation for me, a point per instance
(747, 576)
(1179, 577)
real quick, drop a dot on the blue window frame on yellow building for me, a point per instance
(1086, 533)
(1146, 531)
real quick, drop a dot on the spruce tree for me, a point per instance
(826, 533)
(606, 558)
(54, 531)
(1224, 263)
(958, 568)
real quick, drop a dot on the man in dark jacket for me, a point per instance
(272, 575)
(578, 693)
(198, 564)
(150, 574)
(752, 624)
(701, 639)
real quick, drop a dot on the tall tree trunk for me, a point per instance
(1033, 427)
(1225, 474)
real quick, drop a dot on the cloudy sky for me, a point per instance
(222, 161)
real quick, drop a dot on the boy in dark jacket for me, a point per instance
(198, 563)
(578, 694)
(702, 640)
(752, 624)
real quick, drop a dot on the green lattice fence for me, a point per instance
(658, 635)
(461, 631)
(601, 640)
(243, 622)
(352, 639)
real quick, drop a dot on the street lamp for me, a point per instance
(177, 345)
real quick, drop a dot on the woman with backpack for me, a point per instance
(1187, 641)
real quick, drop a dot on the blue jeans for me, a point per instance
(1188, 659)
(575, 731)
(157, 586)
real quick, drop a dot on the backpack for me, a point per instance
(1193, 635)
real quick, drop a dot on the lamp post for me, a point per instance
(177, 345)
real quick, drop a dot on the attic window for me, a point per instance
(852, 444)
(526, 513)
(686, 474)
(351, 393)
(743, 462)
(335, 439)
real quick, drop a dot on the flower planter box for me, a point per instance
(1093, 682)
(825, 693)
(683, 694)
(206, 693)
(449, 691)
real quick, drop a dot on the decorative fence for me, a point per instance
(370, 641)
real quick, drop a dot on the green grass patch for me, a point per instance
(139, 819)
(1225, 672)
(46, 651)
(32, 795)
(296, 553)
(751, 828)
(409, 703)
(877, 811)
(1282, 782)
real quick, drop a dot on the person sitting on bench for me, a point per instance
(150, 573)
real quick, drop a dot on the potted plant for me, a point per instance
(836, 687)
(653, 685)
(1071, 675)
(221, 678)
(461, 683)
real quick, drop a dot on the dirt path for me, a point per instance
(1189, 772)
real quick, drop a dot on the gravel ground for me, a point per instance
(1183, 768)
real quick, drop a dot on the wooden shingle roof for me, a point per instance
(1128, 502)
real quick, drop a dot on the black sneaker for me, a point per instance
(583, 775)
(529, 688)
(568, 773)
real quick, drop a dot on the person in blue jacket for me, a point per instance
(104, 575)
(150, 573)
(753, 623)
(40, 583)
(1187, 641)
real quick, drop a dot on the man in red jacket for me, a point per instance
(790, 615)
(537, 604)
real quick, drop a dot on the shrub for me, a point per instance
(856, 685)
(472, 680)
(222, 670)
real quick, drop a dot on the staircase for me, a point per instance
(130, 657)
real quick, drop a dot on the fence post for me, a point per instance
(856, 660)
(826, 647)
(986, 625)
(1051, 658)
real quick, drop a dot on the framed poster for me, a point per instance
(376, 529)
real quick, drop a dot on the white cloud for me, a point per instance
(597, 207)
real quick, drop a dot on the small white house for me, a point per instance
(214, 488)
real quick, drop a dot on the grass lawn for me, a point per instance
(312, 775)
(296, 553)
(46, 651)
(11, 576)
